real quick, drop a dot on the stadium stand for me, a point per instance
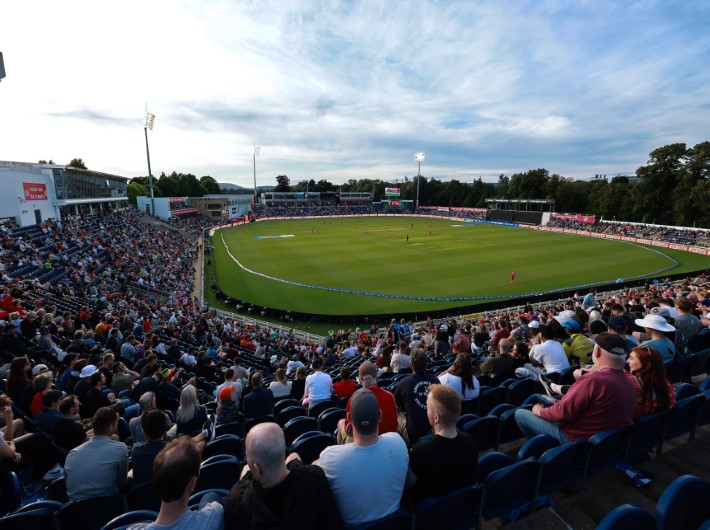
(80, 278)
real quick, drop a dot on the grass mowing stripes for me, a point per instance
(441, 259)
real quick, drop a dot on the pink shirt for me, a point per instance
(598, 401)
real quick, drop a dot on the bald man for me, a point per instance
(276, 492)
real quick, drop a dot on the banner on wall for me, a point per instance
(34, 191)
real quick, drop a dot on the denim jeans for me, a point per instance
(532, 425)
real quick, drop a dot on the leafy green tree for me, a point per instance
(282, 183)
(77, 163)
(209, 185)
(652, 196)
(46, 162)
(137, 190)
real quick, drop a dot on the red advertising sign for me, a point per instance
(574, 217)
(34, 191)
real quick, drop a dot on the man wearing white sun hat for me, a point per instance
(656, 326)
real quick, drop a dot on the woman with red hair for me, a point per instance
(648, 374)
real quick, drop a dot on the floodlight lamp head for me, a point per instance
(419, 157)
(256, 150)
(149, 120)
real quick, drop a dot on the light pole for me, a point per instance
(149, 119)
(254, 153)
(419, 157)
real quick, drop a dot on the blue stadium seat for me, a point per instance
(285, 403)
(143, 496)
(490, 398)
(328, 420)
(218, 475)
(686, 390)
(316, 410)
(684, 504)
(127, 519)
(508, 429)
(37, 505)
(93, 512)
(562, 466)
(627, 517)
(457, 510)
(683, 417)
(498, 410)
(289, 413)
(464, 419)
(704, 413)
(491, 462)
(646, 435)
(607, 449)
(507, 489)
(10, 492)
(251, 422)
(234, 427)
(519, 391)
(310, 445)
(536, 446)
(484, 431)
(682, 368)
(701, 365)
(38, 519)
(57, 490)
(196, 498)
(227, 444)
(297, 426)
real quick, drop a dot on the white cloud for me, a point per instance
(336, 89)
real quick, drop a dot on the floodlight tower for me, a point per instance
(419, 157)
(149, 120)
(255, 151)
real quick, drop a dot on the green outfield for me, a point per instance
(405, 264)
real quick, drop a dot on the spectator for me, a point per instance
(143, 453)
(373, 463)
(231, 380)
(101, 464)
(410, 396)
(400, 359)
(388, 423)
(190, 414)
(69, 433)
(48, 417)
(175, 472)
(618, 325)
(17, 379)
(547, 357)
(275, 493)
(448, 449)
(656, 326)
(282, 386)
(687, 324)
(298, 386)
(20, 452)
(123, 378)
(319, 386)
(260, 401)
(578, 347)
(600, 400)
(227, 411)
(147, 402)
(41, 384)
(346, 386)
(648, 374)
(460, 377)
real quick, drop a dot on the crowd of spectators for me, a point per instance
(99, 366)
(680, 236)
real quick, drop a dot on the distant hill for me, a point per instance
(236, 187)
(229, 186)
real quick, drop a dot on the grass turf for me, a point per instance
(445, 260)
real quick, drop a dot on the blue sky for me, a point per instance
(345, 89)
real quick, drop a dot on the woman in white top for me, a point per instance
(460, 378)
(282, 386)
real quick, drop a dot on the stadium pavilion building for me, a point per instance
(33, 193)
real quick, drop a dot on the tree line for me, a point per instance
(672, 188)
(173, 185)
